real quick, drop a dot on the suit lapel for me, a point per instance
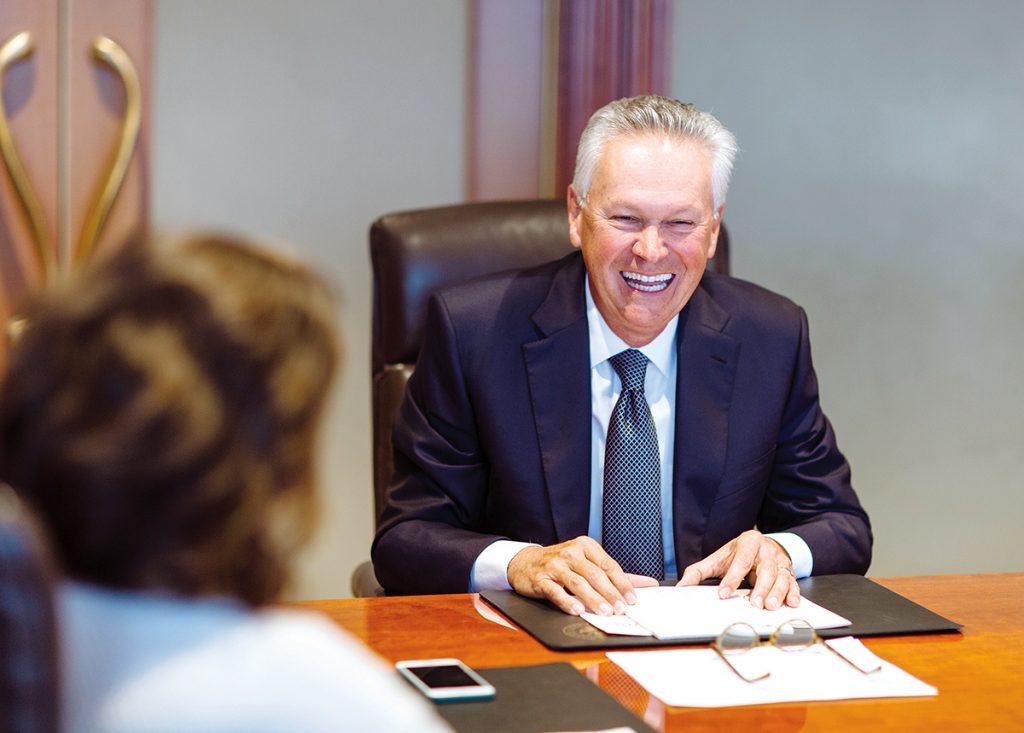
(704, 388)
(558, 370)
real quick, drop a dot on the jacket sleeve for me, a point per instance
(426, 541)
(810, 491)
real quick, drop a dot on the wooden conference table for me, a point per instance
(979, 673)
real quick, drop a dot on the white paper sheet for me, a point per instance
(696, 612)
(700, 678)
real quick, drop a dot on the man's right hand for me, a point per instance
(575, 576)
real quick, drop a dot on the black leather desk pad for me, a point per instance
(873, 609)
(541, 697)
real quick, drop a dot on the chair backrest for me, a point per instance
(414, 253)
(28, 637)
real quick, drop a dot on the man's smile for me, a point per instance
(647, 283)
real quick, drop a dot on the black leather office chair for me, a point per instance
(414, 253)
(29, 674)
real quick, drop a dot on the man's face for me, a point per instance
(646, 231)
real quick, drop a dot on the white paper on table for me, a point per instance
(616, 625)
(696, 612)
(700, 678)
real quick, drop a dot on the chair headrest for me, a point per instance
(416, 252)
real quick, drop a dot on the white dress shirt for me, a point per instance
(489, 570)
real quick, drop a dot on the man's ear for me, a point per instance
(575, 216)
(716, 227)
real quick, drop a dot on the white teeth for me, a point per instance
(647, 283)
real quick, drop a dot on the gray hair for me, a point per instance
(653, 114)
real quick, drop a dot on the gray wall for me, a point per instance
(304, 121)
(880, 186)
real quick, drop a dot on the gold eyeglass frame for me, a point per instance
(774, 641)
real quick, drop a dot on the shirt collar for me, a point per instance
(605, 344)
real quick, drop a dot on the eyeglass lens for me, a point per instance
(738, 638)
(794, 635)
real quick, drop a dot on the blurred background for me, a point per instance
(877, 185)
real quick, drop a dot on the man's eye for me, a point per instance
(624, 219)
(681, 223)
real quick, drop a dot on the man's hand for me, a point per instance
(753, 556)
(575, 575)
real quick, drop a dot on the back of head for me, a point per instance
(161, 413)
(650, 114)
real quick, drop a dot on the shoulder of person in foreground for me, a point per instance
(275, 671)
(335, 675)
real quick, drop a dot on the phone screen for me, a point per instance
(445, 675)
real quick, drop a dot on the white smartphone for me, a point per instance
(445, 680)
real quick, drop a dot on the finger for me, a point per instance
(766, 576)
(793, 595)
(709, 567)
(776, 597)
(772, 561)
(638, 581)
(556, 594)
(600, 583)
(740, 565)
(581, 576)
(609, 580)
(642, 581)
(691, 576)
(593, 598)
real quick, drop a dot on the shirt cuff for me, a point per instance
(490, 571)
(799, 552)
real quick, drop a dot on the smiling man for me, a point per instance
(620, 417)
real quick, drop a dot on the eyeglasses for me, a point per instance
(792, 636)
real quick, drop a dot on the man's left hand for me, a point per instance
(759, 559)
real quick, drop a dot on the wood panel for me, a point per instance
(505, 99)
(66, 110)
(607, 49)
(96, 108)
(30, 99)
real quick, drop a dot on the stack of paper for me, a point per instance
(700, 678)
(696, 612)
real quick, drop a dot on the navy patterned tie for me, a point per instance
(631, 504)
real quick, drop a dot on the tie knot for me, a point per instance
(631, 366)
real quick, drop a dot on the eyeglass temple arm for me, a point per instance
(739, 674)
(849, 661)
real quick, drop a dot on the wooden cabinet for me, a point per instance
(74, 179)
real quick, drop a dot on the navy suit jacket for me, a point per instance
(493, 438)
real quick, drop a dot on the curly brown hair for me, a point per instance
(161, 412)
